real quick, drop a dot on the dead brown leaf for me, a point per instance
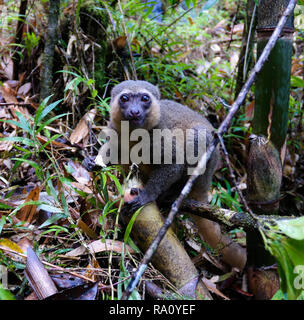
(7, 66)
(86, 229)
(28, 213)
(82, 128)
(79, 172)
(99, 246)
(25, 89)
(211, 286)
(7, 145)
(91, 274)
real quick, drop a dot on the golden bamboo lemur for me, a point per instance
(139, 103)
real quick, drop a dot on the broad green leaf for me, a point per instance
(295, 249)
(188, 3)
(289, 254)
(293, 228)
(297, 82)
(6, 294)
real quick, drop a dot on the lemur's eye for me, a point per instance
(145, 98)
(124, 98)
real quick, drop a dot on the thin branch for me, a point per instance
(14, 104)
(170, 25)
(248, 41)
(203, 161)
(226, 216)
(232, 175)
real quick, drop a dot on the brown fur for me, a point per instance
(162, 181)
(165, 114)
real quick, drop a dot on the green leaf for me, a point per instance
(5, 294)
(49, 208)
(297, 82)
(25, 141)
(117, 183)
(43, 125)
(94, 93)
(38, 169)
(49, 141)
(79, 3)
(31, 202)
(15, 123)
(2, 223)
(54, 218)
(44, 110)
(124, 273)
(24, 124)
(290, 257)
(5, 206)
(279, 295)
(130, 225)
(293, 228)
(188, 3)
(50, 188)
(209, 4)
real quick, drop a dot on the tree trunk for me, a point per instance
(48, 55)
(18, 37)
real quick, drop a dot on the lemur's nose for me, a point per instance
(135, 113)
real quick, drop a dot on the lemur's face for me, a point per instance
(134, 107)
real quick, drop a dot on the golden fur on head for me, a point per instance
(135, 86)
(131, 86)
